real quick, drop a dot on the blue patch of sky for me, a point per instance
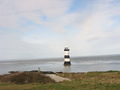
(70, 31)
(116, 20)
(44, 18)
(3, 28)
(38, 29)
(80, 5)
(115, 2)
(47, 19)
(26, 22)
(7, 30)
(42, 31)
(114, 25)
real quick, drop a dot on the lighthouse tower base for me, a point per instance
(67, 63)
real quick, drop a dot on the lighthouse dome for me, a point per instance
(66, 49)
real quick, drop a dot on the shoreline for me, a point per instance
(51, 72)
(31, 80)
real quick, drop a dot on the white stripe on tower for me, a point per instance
(66, 52)
(67, 59)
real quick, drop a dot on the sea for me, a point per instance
(78, 64)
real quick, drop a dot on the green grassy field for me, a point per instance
(85, 81)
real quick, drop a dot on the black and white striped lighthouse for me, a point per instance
(66, 56)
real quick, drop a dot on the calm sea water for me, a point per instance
(80, 64)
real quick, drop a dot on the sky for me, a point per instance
(34, 29)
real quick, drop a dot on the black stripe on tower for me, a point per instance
(67, 63)
(66, 56)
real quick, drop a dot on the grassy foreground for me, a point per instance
(80, 81)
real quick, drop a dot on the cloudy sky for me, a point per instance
(42, 28)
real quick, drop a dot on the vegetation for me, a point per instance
(25, 77)
(80, 81)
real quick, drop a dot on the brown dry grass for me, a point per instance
(25, 77)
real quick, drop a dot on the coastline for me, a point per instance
(104, 80)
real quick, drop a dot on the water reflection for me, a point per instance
(67, 68)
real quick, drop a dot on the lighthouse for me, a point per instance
(66, 56)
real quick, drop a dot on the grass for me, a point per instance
(86, 81)
(25, 77)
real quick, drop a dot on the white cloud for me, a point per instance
(13, 47)
(12, 11)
